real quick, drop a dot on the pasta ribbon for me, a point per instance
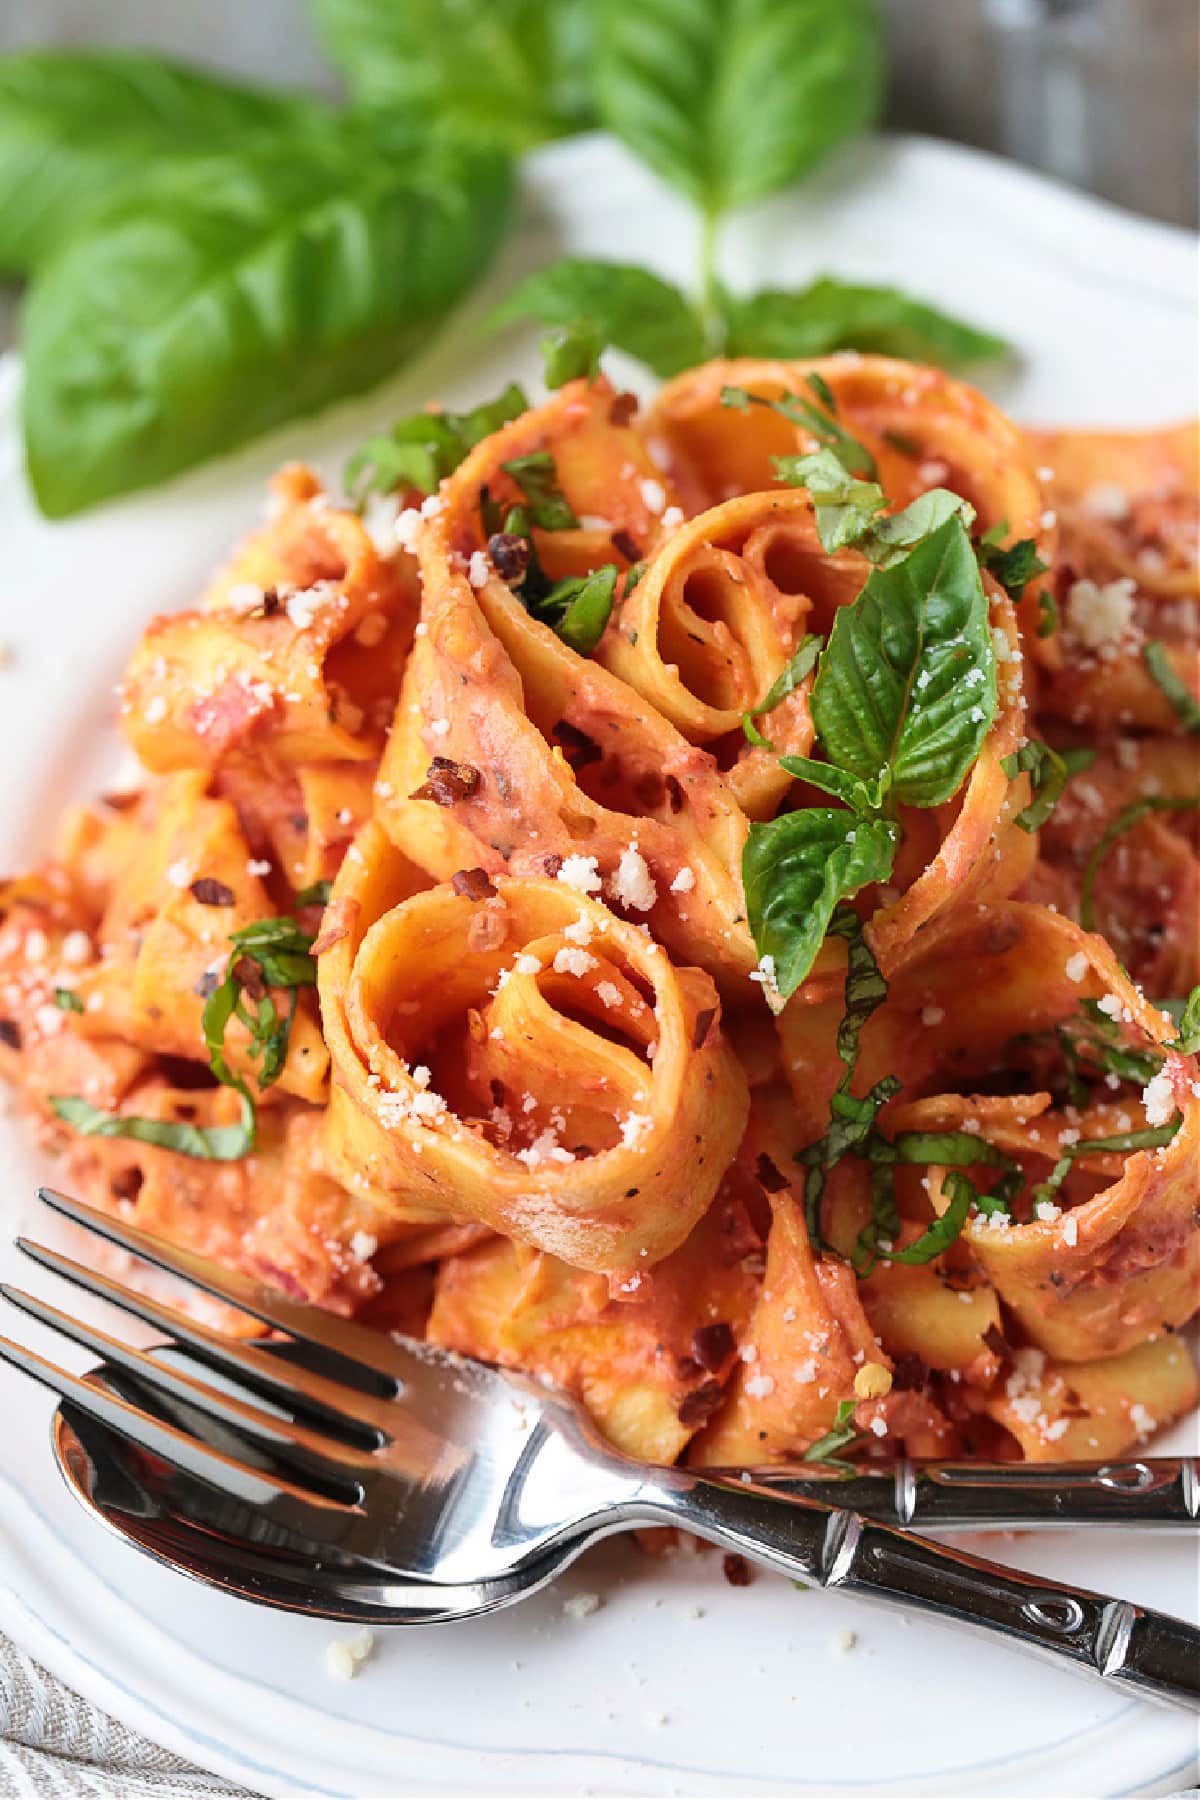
(528, 1060)
(295, 652)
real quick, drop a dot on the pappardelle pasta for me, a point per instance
(698, 903)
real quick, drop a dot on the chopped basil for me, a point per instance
(422, 449)
(578, 608)
(1050, 771)
(537, 478)
(801, 663)
(1187, 1042)
(1013, 568)
(67, 1000)
(817, 418)
(1126, 819)
(1158, 662)
(842, 1433)
(212, 1143)
(851, 1118)
(850, 511)
(942, 1232)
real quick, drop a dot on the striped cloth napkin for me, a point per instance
(55, 1746)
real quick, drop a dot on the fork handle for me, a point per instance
(1132, 1647)
(1159, 1493)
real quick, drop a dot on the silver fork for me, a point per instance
(458, 1489)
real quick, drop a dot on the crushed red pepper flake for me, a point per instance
(736, 1570)
(473, 884)
(698, 1407)
(446, 782)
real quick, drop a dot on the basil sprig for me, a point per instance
(618, 306)
(270, 953)
(1049, 770)
(1176, 690)
(889, 711)
(1126, 819)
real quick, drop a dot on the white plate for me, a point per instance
(680, 1684)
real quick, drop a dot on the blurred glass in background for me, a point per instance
(1102, 93)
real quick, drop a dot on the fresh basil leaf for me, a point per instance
(572, 353)
(211, 1143)
(67, 1000)
(845, 506)
(942, 1232)
(839, 315)
(801, 663)
(512, 72)
(732, 99)
(630, 308)
(537, 478)
(818, 419)
(578, 608)
(891, 537)
(1158, 662)
(1187, 1041)
(907, 682)
(842, 1432)
(420, 451)
(1015, 567)
(795, 870)
(859, 796)
(237, 291)
(79, 128)
(1126, 819)
(1050, 771)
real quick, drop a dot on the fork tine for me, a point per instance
(330, 1403)
(261, 1436)
(366, 1356)
(310, 1515)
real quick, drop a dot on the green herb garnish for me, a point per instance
(1050, 770)
(1015, 567)
(1158, 662)
(420, 451)
(842, 1433)
(67, 1000)
(800, 664)
(537, 478)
